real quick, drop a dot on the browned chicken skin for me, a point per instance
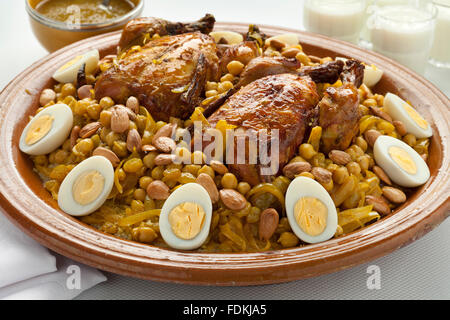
(167, 76)
(339, 109)
(139, 31)
(285, 102)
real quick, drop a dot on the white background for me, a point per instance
(418, 271)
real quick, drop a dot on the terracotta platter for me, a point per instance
(31, 207)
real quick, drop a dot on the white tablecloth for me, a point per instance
(418, 271)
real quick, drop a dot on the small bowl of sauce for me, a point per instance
(57, 23)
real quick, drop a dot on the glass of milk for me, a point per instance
(404, 32)
(340, 19)
(440, 51)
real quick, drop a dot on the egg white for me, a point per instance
(190, 192)
(372, 75)
(59, 131)
(393, 105)
(291, 39)
(393, 170)
(66, 200)
(302, 187)
(69, 74)
(230, 36)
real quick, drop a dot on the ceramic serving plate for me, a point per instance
(31, 207)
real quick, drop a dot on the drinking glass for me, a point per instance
(340, 19)
(404, 32)
(440, 51)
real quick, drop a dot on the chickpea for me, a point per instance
(144, 182)
(288, 239)
(360, 142)
(68, 89)
(307, 175)
(120, 148)
(106, 102)
(157, 173)
(211, 86)
(353, 168)
(81, 107)
(211, 93)
(364, 162)
(243, 187)
(229, 181)
(254, 214)
(111, 137)
(340, 175)
(93, 111)
(147, 137)
(370, 102)
(410, 139)
(133, 165)
(307, 151)
(121, 174)
(105, 118)
(198, 157)
(85, 146)
(186, 177)
(235, 67)
(149, 160)
(139, 194)
(172, 174)
(137, 205)
(144, 234)
(192, 169)
(227, 77)
(303, 58)
(40, 160)
(208, 170)
(47, 96)
(225, 86)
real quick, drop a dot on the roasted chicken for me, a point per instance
(283, 102)
(167, 74)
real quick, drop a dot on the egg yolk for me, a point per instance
(421, 122)
(311, 215)
(38, 129)
(70, 63)
(186, 220)
(403, 159)
(88, 187)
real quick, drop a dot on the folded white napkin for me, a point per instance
(30, 271)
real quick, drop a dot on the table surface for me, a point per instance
(418, 271)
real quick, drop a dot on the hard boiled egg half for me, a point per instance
(86, 187)
(47, 130)
(372, 75)
(310, 210)
(400, 162)
(185, 217)
(69, 71)
(402, 111)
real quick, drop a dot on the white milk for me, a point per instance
(440, 51)
(403, 33)
(338, 19)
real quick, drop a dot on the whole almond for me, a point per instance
(218, 167)
(208, 183)
(89, 129)
(148, 148)
(134, 140)
(268, 223)
(382, 175)
(131, 114)
(108, 154)
(165, 144)
(379, 205)
(164, 159)
(380, 113)
(292, 169)
(158, 190)
(74, 135)
(394, 195)
(133, 104)
(371, 136)
(340, 157)
(120, 122)
(165, 131)
(400, 127)
(290, 53)
(84, 92)
(277, 44)
(322, 175)
(232, 199)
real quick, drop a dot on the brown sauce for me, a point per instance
(83, 11)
